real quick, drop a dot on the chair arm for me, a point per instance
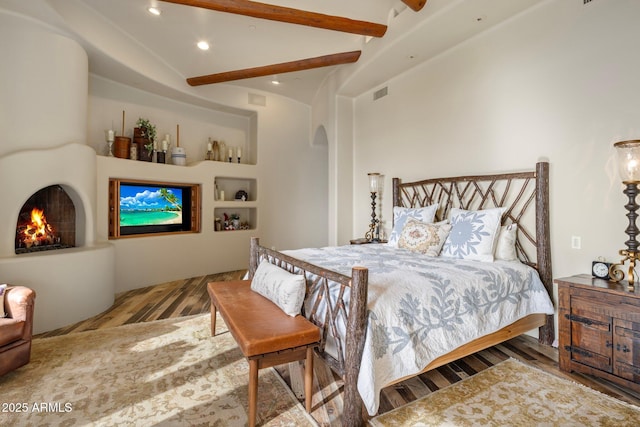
(19, 302)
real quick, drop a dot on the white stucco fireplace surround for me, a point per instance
(43, 118)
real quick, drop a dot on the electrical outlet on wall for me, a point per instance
(576, 242)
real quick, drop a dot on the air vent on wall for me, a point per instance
(380, 93)
(586, 1)
(255, 99)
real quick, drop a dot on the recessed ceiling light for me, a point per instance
(154, 11)
(275, 81)
(203, 45)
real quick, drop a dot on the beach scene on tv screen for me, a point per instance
(144, 205)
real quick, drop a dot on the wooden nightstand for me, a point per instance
(599, 329)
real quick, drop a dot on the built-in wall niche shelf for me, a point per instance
(227, 188)
(247, 219)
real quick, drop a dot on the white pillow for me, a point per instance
(3, 290)
(473, 234)
(506, 244)
(284, 289)
(400, 215)
(424, 238)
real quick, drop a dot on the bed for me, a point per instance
(388, 313)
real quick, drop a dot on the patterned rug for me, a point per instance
(163, 373)
(513, 394)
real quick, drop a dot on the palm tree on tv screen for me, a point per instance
(170, 198)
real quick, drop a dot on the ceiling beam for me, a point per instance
(285, 67)
(416, 5)
(289, 15)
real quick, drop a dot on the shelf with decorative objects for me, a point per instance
(235, 189)
(235, 201)
(235, 218)
(144, 144)
(164, 153)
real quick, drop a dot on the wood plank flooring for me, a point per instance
(189, 297)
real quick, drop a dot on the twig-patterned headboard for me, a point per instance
(525, 197)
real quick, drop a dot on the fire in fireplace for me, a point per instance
(46, 221)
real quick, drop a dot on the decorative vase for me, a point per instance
(144, 154)
(178, 156)
(121, 147)
(222, 151)
(140, 140)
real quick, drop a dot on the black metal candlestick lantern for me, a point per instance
(373, 235)
(629, 167)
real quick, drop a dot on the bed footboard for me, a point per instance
(337, 308)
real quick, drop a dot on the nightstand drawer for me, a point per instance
(591, 331)
(627, 342)
(628, 372)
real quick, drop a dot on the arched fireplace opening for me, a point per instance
(47, 221)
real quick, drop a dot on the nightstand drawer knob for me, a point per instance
(625, 349)
(609, 344)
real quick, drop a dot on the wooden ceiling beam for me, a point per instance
(285, 67)
(416, 5)
(288, 15)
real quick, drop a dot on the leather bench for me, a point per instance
(265, 334)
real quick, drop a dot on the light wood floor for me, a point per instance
(188, 297)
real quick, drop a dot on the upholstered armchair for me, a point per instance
(16, 328)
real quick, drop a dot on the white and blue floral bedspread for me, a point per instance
(420, 307)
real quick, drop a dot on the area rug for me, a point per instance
(162, 373)
(512, 393)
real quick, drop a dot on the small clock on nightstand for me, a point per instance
(600, 269)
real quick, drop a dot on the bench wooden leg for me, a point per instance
(253, 391)
(308, 379)
(213, 320)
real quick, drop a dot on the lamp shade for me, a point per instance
(374, 182)
(629, 160)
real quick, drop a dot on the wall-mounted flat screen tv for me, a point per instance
(151, 207)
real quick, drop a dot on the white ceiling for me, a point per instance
(126, 43)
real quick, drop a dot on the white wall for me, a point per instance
(43, 87)
(559, 82)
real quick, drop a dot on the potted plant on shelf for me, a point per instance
(144, 135)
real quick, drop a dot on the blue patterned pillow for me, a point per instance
(400, 216)
(473, 234)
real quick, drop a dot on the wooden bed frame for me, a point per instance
(525, 195)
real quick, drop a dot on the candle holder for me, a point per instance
(373, 235)
(629, 168)
(110, 139)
